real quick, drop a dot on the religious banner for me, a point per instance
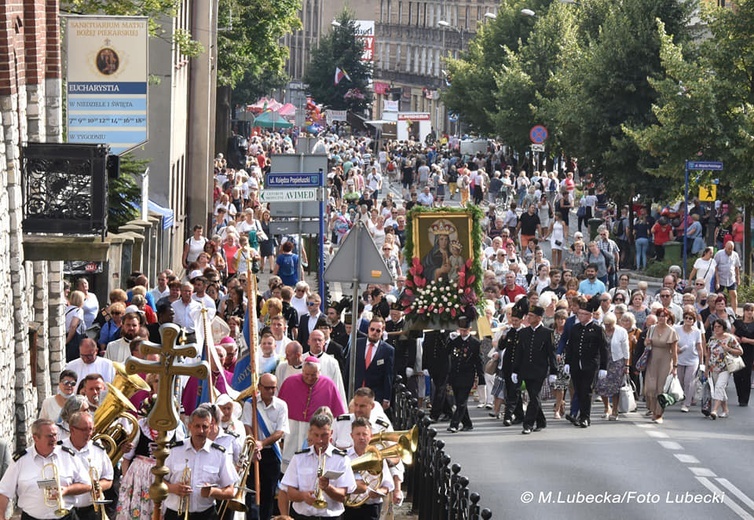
(444, 280)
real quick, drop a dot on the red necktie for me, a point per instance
(370, 352)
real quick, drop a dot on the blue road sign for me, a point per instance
(293, 180)
(538, 134)
(715, 166)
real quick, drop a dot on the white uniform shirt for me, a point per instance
(209, 465)
(341, 428)
(92, 455)
(302, 475)
(101, 366)
(233, 444)
(20, 481)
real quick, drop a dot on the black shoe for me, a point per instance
(571, 419)
(444, 418)
(507, 422)
(518, 421)
(584, 423)
(452, 429)
(526, 431)
(467, 428)
(539, 428)
(743, 404)
(432, 420)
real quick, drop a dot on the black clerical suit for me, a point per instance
(405, 351)
(514, 405)
(465, 365)
(586, 352)
(436, 360)
(534, 360)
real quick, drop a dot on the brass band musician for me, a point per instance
(361, 432)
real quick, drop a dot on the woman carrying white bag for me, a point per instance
(719, 346)
(690, 355)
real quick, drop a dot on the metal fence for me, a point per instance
(434, 485)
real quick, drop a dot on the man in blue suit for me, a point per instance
(374, 362)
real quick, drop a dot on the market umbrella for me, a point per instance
(271, 120)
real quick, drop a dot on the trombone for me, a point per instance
(53, 496)
(238, 502)
(98, 498)
(369, 465)
(319, 497)
(185, 503)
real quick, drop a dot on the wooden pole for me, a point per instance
(251, 296)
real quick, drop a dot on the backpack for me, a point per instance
(619, 228)
(288, 267)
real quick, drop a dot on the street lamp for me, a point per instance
(528, 12)
(490, 16)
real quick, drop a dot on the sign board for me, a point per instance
(358, 258)
(365, 33)
(537, 148)
(106, 76)
(708, 193)
(293, 227)
(292, 181)
(289, 195)
(538, 134)
(715, 166)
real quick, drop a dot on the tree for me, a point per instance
(124, 194)
(341, 49)
(250, 59)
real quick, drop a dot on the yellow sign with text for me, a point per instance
(708, 193)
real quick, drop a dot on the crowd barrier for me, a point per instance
(434, 485)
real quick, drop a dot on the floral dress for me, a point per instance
(563, 380)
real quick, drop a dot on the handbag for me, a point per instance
(674, 388)
(626, 399)
(706, 401)
(641, 363)
(490, 366)
(733, 363)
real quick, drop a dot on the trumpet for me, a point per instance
(185, 503)
(238, 502)
(319, 497)
(98, 498)
(53, 497)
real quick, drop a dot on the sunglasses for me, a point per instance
(69, 384)
(116, 313)
(312, 304)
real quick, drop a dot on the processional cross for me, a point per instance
(164, 414)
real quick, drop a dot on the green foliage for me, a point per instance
(657, 269)
(155, 10)
(124, 192)
(248, 41)
(340, 48)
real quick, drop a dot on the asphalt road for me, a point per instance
(629, 469)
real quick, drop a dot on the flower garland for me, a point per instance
(443, 300)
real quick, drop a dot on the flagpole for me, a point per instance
(212, 390)
(251, 296)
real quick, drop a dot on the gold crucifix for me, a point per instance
(164, 415)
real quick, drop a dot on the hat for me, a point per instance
(227, 340)
(592, 304)
(396, 306)
(348, 318)
(537, 310)
(195, 274)
(464, 322)
(520, 308)
(133, 308)
(311, 359)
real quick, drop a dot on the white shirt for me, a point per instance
(157, 293)
(209, 465)
(284, 371)
(274, 415)
(232, 442)
(118, 350)
(302, 475)
(386, 480)
(20, 480)
(91, 309)
(187, 315)
(101, 366)
(341, 428)
(92, 455)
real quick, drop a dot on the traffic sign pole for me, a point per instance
(716, 166)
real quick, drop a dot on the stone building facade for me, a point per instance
(31, 309)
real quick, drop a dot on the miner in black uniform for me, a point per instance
(435, 361)
(586, 353)
(514, 406)
(534, 360)
(465, 364)
(404, 345)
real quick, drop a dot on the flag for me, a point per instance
(340, 74)
(207, 344)
(242, 372)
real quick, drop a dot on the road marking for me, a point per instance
(730, 503)
(702, 472)
(686, 459)
(657, 435)
(670, 445)
(740, 494)
(642, 425)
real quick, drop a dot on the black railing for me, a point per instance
(434, 486)
(64, 188)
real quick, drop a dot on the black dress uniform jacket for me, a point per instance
(535, 354)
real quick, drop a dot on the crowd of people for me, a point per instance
(564, 321)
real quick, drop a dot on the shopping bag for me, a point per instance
(627, 401)
(706, 400)
(673, 387)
